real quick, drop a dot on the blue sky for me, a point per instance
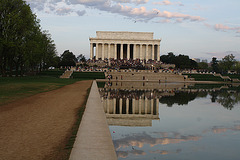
(198, 28)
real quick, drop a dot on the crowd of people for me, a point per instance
(119, 64)
(130, 94)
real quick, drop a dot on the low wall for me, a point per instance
(93, 141)
(147, 76)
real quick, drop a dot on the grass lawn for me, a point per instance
(88, 75)
(14, 88)
(204, 77)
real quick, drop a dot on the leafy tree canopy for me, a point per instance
(68, 59)
(180, 61)
(23, 46)
(81, 58)
(227, 63)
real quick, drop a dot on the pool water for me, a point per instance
(165, 122)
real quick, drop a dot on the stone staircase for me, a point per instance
(223, 77)
(147, 76)
(235, 80)
(66, 74)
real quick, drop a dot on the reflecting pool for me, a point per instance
(173, 120)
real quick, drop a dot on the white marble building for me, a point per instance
(125, 45)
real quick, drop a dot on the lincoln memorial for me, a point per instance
(124, 45)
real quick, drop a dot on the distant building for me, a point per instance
(205, 60)
(196, 60)
(125, 45)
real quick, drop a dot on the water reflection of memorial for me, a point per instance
(134, 104)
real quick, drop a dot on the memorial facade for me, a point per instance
(124, 45)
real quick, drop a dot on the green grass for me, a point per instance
(100, 84)
(88, 75)
(234, 76)
(204, 77)
(53, 73)
(71, 140)
(14, 88)
(206, 86)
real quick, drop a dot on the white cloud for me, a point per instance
(63, 7)
(81, 13)
(137, 2)
(140, 13)
(63, 11)
(167, 2)
(223, 28)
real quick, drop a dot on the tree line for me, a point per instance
(24, 47)
(219, 66)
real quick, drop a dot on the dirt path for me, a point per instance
(39, 126)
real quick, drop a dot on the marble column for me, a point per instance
(108, 106)
(134, 51)
(146, 103)
(121, 55)
(120, 105)
(140, 105)
(152, 51)
(147, 52)
(141, 54)
(133, 106)
(91, 51)
(127, 106)
(157, 107)
(158, 53)
(152, 106)
(109, 47)
(114, 105)
(102, 51)
(115, 51)
(128, 51)
(96, 51)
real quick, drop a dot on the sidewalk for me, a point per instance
(93, 141)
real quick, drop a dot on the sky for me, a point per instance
(197, 28)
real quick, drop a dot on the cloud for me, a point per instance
(164, 152)
(37, 4)
(62, 7)
(63, 11)
(220, 55)
(167, 2)
(137, 2)
(81, 13)
(221, 27)
(219, 129)
(140, 140)
(124, 154)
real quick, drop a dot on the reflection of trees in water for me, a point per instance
(179, 98)
(227, 98)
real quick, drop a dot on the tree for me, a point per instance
(67, 59)
(180, 61)
(23, 46)
(237, 67)
(227, 63)
(214, 65)
(168, 59)
(203, 65)
(81, 58)
(183, 62)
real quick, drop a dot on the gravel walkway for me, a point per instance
(38, 127)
